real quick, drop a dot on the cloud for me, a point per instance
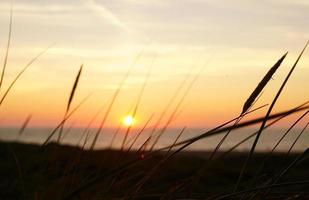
(102, 12)
(39, 8)
(291, 2)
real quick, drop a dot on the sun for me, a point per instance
(128, 120)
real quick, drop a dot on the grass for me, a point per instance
(171, 173)
(135, 109)
(297, 138)
(70, 100)
(262, 84)
(115, 95)
(266, 118)
(150, 172)
(7, 47)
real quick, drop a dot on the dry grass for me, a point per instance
(70, 100)
(266, 118)
(119, 173)
(7, 47)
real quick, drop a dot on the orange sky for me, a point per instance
(238, 44)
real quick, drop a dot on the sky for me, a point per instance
(234, 42)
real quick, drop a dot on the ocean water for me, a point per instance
(76, 136)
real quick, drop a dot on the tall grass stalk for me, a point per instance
(167, 107)
(87, 129)
(114, 137)
(262, 84)
(68, 130)
(276, 178)
(7, 46)
(279, 185)
(139, 185)
(268, 157)
(222, 128)
(252, 135)
(65, 119)
(70, 100)
(177, 107)
(140, 132)
(241, 125)
(186, 143)
(225, 153)
(196, 177)
(118, 129)
(114, 97)
(21, 73)
(277, 144)
(139, 98)
(241, 116)
(296, 139)
(18, 168)
(298, 160)
(265, 120)
(24, 125)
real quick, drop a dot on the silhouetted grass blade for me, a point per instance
(267, 117)
(262, 84)
(7, 47)
(74, 87)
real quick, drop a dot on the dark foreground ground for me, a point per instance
(56, 172)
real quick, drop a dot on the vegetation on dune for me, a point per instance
(34, 172)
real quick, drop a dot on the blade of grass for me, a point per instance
(265, 120)
(114, 136)
(220, 128)
(241, 125)
(252, 135)
(297, 138)
(140, 132)
(19, 169)
(271, 152)
(262, 84)
(68, 130)
(168, 105)
(115, 95)
(74, 87)
(21, 73)
(277, 144)
(285, 184)
(119, 127)
(70, 100)
(285, 171)
(131, 163)
(299, 159)
(137, 106)
(86, 130)
(241, 116)
(63, 120)
(173, 114)
(24, 126)
(139, 185)
(268, 157)
(144, 145)
(7, 46)
(195, 178)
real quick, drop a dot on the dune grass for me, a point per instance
(266, 118)
(124, 169)
(7, 46)
(70, 100)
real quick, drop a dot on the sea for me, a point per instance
(108, 139)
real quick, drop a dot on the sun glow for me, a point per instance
(128, 120)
